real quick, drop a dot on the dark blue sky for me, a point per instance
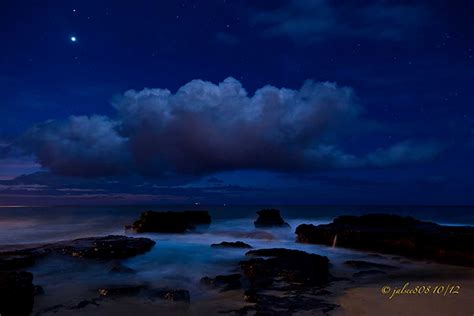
(387, 117)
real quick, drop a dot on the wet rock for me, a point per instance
(178, 295)
(393, 234)
(270, 218)
(359, 264)
(232, 244)
(121, 290)
(292, 266)
(170, 222)
(20, 259)
(226, 282)
(109, 247)
(16, 293)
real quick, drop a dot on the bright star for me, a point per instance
(73, 39)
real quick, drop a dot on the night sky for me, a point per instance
(237, 102)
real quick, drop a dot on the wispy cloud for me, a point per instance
(310, 21)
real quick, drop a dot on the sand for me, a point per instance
(368, 299)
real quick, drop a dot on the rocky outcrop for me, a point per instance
(225, 282)
(170, 222)
(270, 218)
(109, 247)
(232, 244)
(99, 248)
(16, 293)
(393, 234)
(291, 266)
(282, 282)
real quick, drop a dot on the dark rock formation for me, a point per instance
(16, 293)
(292, 266)
(100, 248)
(270, 218)
(170, 222)
(121, 290)
(395, 234)
(226, 282)
(22, 258)
(359, 264)
(171, 295)
(232, 244)
(109, 247)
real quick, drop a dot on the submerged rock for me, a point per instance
(170, 222)
(226, 282)
(16, 293)
(232, 244)
(270, 218)
(393, 234)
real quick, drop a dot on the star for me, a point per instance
(73, 39)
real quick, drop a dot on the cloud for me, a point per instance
(204, 128)
(310, 21)
(80, 145)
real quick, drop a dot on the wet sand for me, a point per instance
(367, 299)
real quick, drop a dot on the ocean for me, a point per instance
(177, 260)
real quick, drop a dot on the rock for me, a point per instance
(109, 247)
(230, 244)
(227, 282)
(170, 222)
(121, 290)
(292, 266)
(20, 259)
(359, 264)
(393, 234)
(172, 295)
(13, 260)
(99, 248)
(16, 293)
(270, 218)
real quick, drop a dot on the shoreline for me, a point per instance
(72, 272)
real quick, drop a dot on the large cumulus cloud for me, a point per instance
(205, 127)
